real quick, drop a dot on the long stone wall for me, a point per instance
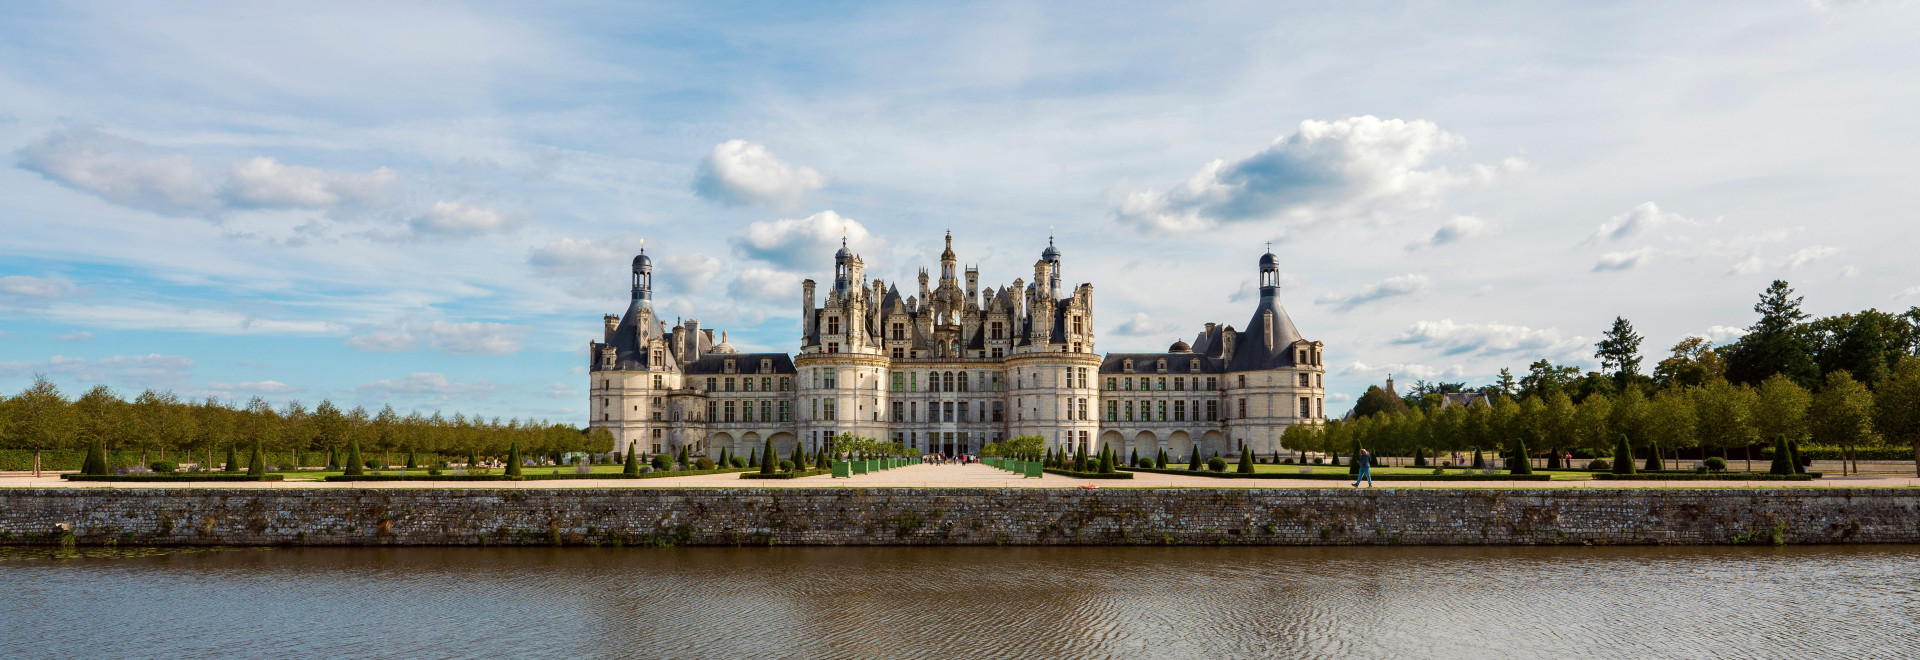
(645, 516)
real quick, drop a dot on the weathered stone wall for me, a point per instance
(1305, 516)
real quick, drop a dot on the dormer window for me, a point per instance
(1160, 365)
(833, 325)
(731, 368)
(766, 365)
(1127, 365)
(1193, 365)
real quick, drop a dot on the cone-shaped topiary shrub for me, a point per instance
(1106, 462)
(1623, 457)
(1246, 462)
(472, 460)
(1654, 464)
(355, 466)
(96, 461)
(1133, 458)
(632, 466)
(233, 460)
(513, 460)
(1419, 457)
(1793, 452)
(1479, 461)
(257, 463)
(1193, 459)
(799, 456)
(686, 457)
(1782, 457)
(1519, 464)
(333, 459)
(1160, 461)
(1353, 462)
(766, 466)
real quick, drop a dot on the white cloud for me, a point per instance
(1911, 292)
(1358, 167)
(1628, 260)
(457, 220)
(1402, 372)
(27, 287)
(1142, 324)
(148, 370)
(1721, 334)
(1392, 287)
(77, 335)
(739, 172)
(1636, 222)
(435, 386)
(472, 338)
(136, 175)
(1754, 263)
(802, 242)
(1489, 339)
(766, 285)
(592, 266)
(688, 272)
(266, 183)
(252, 387)
(1850, 271)
(148, 316)
(1457, 228)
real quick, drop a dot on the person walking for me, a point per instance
(1365, 471)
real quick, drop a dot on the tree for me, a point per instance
(1106, 461)
(1724, 415)
(1782, 457)
(233, 460)
(1520, 463)
(513, 458)
(1619, 351)
(257, 463)
(1842, 415)
(96, 461)
(1544, 378)
(1693, 363)
(1654, 464)
(1897, 406)
(1160, 461)
(632, 466)
(1782, 409)
(355, 465)
(1623, 457)
(42, 418)
(1377, 400)
(1193, 459)
(766, 467)
(1776, 343)
(1246, 462)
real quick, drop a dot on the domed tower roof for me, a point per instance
(1268, 261)
(1051, 253)
(641, 262)
(947, 254)
(1180, 346)
(723, 347)
(844, 253)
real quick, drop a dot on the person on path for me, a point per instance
(1365, 462)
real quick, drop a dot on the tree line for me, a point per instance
(1849, 383)
(161, 425)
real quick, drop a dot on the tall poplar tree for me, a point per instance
(1619, 351)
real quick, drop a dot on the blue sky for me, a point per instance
(433, 204)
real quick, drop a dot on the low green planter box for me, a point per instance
(859, 467)
(1034, 469)
(842, 470)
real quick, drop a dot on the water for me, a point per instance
(1831, 602)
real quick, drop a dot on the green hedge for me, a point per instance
(1349, 477)
(529, 477)
(786, 475)
(1706, 476)
(1089, 475)
(188, 476)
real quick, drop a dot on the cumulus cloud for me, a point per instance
(1457, 228)
(1721, 334)
(136, 175)
(1635, 223)
(688, 272)
(150, 370)
(1142, 324)
(26, 288)
(433, 386)
(1754, 263)
(1627, 260)
(1357, 167)
(765, 285)
(592, 265)
(1402, 371)
(1489, 339)
(1392, 287)
(473, 338)
(738, 172)
(252, 387)
(797, 243)
(457, 220)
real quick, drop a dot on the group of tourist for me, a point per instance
(943, 459)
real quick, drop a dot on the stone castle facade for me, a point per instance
(950, 369)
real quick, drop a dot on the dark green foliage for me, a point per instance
(799, 456)
(1160, 461)
(1715, 464)
(96, 462)
(822, 460)
(685, 458)
(473, 461)
(1193, 459)
(1246, 462)
(513, 460)
(233, 460)
(1619, 350)
(355, 465)
(257, 463)
(1479, 461)
(661, 462)
(412, 462)
(163, 467)
(1775, 344)
(785, 466)
(1106, 461)
(333, 459)
(1519, 463)
(1782, 457)
(632, 466)
(766, 467)
(1377, 400)
(753, 458)
(1353, 464)
(1654, 464)
(1623, 457)
(1217, 464)
(1793, 452)
(1419, 457)
(704, 463)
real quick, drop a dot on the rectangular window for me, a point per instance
(946, 412)
(1129, 382)
(729, 411)
(1163, 411)
(1243, 409)
(899, 381)
(712, 384)
(913, 411)
(827, 408)
(729, 384)
(1213, 411)
(1179, 384)
(913, 382)
(1306, 408)
(1112, 383)
(996, 352)
(786, 384)
(813, 409)
(898, 353)
(999, 380)
(1179, 411)
(1163, 384)
(1211, 384)
(766, 411)
(1129, 411)
(830, 378)
(1306, 380)
(963, 411)
(656, 381)
(999, 411)
(1083, 410)
(1319, 407)
(1113, 411)
(711, 406)
(1243, 380)
(899, 411)
(963, 381)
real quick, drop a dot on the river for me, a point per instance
(1149, 602)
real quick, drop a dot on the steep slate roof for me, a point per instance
(626, 342)
(744, 364)
(1251, 352)
(1148, 363)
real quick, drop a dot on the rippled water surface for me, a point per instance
(964, 603)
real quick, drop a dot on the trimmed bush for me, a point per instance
(163, 467)
(1419, 457)
(513, 460)
(1715, 464)
(1519, 463)
(1623, 457)
(1160, 461)
(704, 463)
(355, 466)
(1106, 461)
(1782, 457)
(632, 466)
(785, 466)
(1193, 459)
(1799, 464)
(96, 462)
(413, 463)
(233, 460)
(1246, 462)
(257, 463)
(736, 462)
(766, 467)
(1088, 475)
(1599, 464)
(1217, 464)
(374, 465)
(753, 458)
(1479, 461)
(661, 462)
(1654, 463)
